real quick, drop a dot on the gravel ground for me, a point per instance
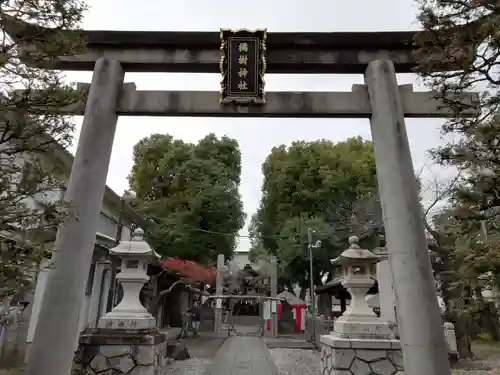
(202, 351)
(296, 361)
(193, 366)
(486, 363)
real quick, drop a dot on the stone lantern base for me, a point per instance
(121, 321)
(347, 356)
(371, 328)
(131, 352)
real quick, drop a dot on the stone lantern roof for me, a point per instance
(355, 255)
(135, 247)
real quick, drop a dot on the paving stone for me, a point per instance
(124, 363)
(342, 359)
(242, 355)
(359, 367)
(144, 354)
(99, 363)
(383, 367)
(396, 357)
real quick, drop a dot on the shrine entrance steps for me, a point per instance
(243, 355)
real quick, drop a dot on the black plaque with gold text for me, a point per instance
(243, 65)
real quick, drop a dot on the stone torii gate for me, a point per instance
(378, 55)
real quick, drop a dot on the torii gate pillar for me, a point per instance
(419, 318)
(56, 334)
(219, 290)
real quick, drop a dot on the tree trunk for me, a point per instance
(488, 321)
(463, 324)
(462, 331)
(325, 305)
(343, 305)
(302, 294)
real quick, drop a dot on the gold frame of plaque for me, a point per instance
(242, 66)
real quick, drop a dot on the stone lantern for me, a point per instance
(361, 342)
(130, 314)
(359, 275)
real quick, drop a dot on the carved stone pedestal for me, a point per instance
(342, 356)
(110, 352)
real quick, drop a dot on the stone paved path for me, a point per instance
(243, 355)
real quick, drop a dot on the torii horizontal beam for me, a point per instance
(187, 59)
(354, 104)
(199, 52)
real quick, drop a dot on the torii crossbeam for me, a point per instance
(199, 52)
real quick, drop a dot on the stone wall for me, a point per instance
(341, 356)
(111, 352)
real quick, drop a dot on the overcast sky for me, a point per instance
(255, 136)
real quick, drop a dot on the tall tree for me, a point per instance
(466, 256)
(464, 38)
(190, 193)
(330, 187)
(32, 131)
(465, 264)
(459, 51)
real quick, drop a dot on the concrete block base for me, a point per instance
(342, 356)
(109, 352)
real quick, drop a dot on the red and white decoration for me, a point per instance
(299, 310)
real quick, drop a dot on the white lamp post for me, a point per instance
(130, 314)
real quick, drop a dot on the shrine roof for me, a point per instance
(291, 298)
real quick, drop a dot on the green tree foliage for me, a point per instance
(32, 131)
(189, 191)
(465, 263)
(466, 234)
(329, 187)
(459, 51)
(464, 37)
